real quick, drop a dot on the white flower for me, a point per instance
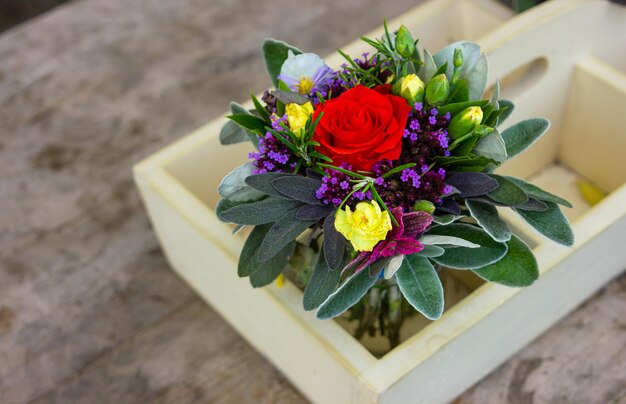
(305, 73)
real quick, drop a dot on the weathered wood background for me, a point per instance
(89, 310)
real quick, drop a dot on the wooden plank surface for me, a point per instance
(89, 310)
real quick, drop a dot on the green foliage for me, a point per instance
(270, 269)
(250, 122)
(334, 244)
(492, 146)
(322, 283)
(517, 268)
(507, 192)
(248, 263)
(477, 78)
(265, 211)
(534, 191)
(489, 251)
(551, 223)
(283, 231)
(420, 285)
(234, 188)
(487, 217)
(348, 294)
(523, 134)
(275, 53)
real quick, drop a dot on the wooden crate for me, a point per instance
(563, 60)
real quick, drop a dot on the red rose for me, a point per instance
(361, 127)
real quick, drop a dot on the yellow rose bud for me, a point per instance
(364, 227)
(465, 121)
(297, 115)
(411, 88)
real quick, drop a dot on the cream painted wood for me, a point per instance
(576, 62)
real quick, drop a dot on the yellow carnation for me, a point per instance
(297, 115)
(364, 227)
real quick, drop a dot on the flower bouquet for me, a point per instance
(365, 182)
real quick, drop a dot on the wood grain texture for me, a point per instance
(89, 310)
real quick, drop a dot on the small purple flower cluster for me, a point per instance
(336, 187)
(273, 155)
(427, 131)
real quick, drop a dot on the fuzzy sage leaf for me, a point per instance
(551, 223)
(420, 285)
(489, 251)
(347, 295)
(322, 283)
(518, 268)
(522, 135)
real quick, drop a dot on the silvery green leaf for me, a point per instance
(517, 268)
(234, 188)
(446, 219)
(322, 283)
(477, 78)
(393, 266)
(488, 252)
(522, 135)
(231, 133)
(538, 193)
(290, 97)
(496, 95)
(507, 193)
(298, 187)
(265, 211)
(263, 183)
(334, 244)
(427, 71)
(285, 230)
(420, 285)
(471, 54)
(492, 146)
(431, 251)
(472, 183)
(347, 295)
(510, 107)
(487, 217)
(429, 239)
(551, 223)
(275, 53)
(270, 269)
(237, 108)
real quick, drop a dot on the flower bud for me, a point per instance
(465, 121)
(424, 206)
(437, 90)
(404, 42)
(458, 58)
(411, 88)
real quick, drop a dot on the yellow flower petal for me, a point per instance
(364, 227)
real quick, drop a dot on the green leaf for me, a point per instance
(460, 92)
(225, 204)
(534, 191)
(269, 270)
(334, 244)
(492, 146)
(427, 71)
(288, 97)
(322, 283)
(263, 183)
(517, 268)
(232, 133)
(247, 259)
(285, 230)
(507, 108)
(260, 109)
(432, 239)
(460, 106)
(471, 54)
(347, 295)
(261, 212)
(237, 108)
(431, 251)
(523, 134)
(465, 163)
(298, 187)
(445, 219)
(487, 217)
(234, 187)
(551, 223)
(489, 251)
(477, 78)
(420, 285)
(276, 53)
(507, 192)
(249, 122)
